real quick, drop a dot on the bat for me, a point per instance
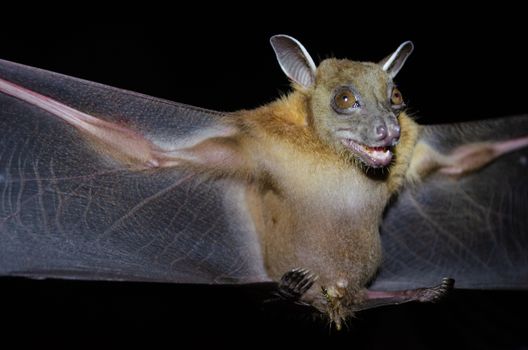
(100, 183)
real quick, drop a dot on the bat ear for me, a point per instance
(394, 62)
(294, 60)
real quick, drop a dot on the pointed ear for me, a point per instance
(393, 63)
(294, 60)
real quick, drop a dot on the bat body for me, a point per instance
(92, 188)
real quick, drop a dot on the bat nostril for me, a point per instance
(395, 134)
(397, 130)
(381, 132)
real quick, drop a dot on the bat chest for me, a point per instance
(331, 230)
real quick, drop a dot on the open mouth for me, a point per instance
(376, 157)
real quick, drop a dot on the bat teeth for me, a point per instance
(375, 155)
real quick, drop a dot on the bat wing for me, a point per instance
(68, 211)
(473, 228)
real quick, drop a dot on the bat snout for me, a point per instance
(386, 135)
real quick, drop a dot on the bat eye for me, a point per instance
(344, 100)
(396, 97)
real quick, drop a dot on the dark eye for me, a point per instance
(344, 100)
(396, 97)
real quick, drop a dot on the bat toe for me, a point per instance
(295, 283)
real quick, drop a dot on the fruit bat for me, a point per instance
(332, 192)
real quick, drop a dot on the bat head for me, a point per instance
(354, 105)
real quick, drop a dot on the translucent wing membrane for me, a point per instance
(69, 209)
(473, 228)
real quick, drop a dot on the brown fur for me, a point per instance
(313, 206)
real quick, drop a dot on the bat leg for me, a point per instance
(294, 284)
(423, 295)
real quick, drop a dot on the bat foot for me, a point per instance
(295, 283)
(436, 293)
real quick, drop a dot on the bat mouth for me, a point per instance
(375, 157)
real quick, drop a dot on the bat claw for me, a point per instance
(449, 283)
(436, 293)
(295, 283)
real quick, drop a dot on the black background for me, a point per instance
(466, 65)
